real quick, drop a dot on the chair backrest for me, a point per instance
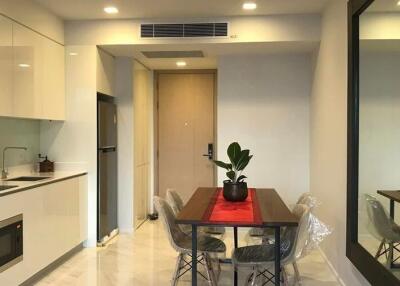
(307, 199)
(380, 221)
(174, 200)
(175, 235)
(298, 236)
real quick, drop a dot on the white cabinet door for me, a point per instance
(53, 81)
(6, 67)
(39, 88)
(28, 63)
(105, 73)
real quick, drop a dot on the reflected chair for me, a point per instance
(182, 243)
(261, 257)
(176, 203)
(382, 226)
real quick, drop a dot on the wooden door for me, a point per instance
(185, 129)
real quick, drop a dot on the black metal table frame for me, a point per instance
(235, 236)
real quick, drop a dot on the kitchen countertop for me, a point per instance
(27, 185)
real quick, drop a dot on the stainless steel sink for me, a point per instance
(27, 179)
(3, 188)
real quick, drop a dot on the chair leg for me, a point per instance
(390, 259)
(209, 270)
(378, 253)
(174, 281)
(284, 277)
(296, 274)
(254, 280)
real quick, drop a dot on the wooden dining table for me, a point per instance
(264, 209)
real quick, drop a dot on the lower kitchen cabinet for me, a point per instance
(54, 222)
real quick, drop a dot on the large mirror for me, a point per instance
(378, 222)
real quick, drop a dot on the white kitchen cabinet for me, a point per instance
(6, 67)
(32, 74)
(54, 222)
(38, 76)
(105, 73)
(27, 77)
(53, 81)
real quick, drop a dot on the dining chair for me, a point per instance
(176, 203)
(268, 233)
(182, 243)
(382, 226)
(261, 258)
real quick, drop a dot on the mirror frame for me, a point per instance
(370, 268)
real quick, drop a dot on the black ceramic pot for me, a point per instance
(235, 192)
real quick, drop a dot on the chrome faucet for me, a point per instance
(4, 173)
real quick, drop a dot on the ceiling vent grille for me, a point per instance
(184, 30)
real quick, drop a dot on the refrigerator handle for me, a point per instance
(108, 149)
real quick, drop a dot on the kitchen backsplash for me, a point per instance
(22, 133)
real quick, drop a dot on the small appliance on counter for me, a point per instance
(46, 166)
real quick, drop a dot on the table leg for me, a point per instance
(391, 210)
(235, 239)
(194, 255)
(277, 256)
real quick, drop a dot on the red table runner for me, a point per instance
(222, 211)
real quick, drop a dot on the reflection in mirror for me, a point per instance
(379, 133)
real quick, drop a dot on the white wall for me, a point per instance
(74, 141)
(380, 26)
(274, 28)
(124, 100)
(263, 103)
(379, 157)
(328, 177)
(35, 17)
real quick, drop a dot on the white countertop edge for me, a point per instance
(26, 185)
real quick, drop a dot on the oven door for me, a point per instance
(11, 242)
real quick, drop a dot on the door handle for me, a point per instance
(210, 153)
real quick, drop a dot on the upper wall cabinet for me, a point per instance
(28, 62)
(105, 73)
(31, 74)
(6, 67)
(53, 81)
(39, 81)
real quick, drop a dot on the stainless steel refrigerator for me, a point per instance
(107, 205)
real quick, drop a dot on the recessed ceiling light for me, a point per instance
(249, 6)
(181, 64)
(111, 10)
(398, 3)
(73, 54)
(24, 65)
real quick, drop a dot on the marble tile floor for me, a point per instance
(146, 258)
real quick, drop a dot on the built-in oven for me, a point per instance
(11, 242)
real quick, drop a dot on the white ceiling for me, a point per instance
(211, 52)
(139, 9)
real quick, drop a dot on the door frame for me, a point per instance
(156, 117)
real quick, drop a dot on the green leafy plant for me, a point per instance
(239, 159)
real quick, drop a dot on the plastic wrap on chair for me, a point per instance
(317, 231)
(380, 224)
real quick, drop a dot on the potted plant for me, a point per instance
(235, 189)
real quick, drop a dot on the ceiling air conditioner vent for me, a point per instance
(184, 30)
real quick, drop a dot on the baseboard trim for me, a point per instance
(49, 268)
(337, 276)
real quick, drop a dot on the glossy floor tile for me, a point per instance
(146, 258)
